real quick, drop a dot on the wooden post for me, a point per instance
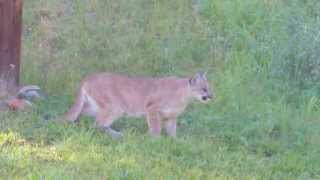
(10, 45)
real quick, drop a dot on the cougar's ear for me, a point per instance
(204, 75)
(196, 78)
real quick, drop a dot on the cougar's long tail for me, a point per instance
(77, 107)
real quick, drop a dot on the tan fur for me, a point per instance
(108, 96)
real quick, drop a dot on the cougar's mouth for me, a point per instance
(206, 98)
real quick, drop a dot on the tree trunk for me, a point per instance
(10, 45)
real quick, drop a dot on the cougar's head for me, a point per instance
(200, 88)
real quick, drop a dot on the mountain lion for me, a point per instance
(108, 96)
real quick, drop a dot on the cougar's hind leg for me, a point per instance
(104, 120)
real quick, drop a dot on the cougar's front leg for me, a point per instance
(170, 126)
(154, 123)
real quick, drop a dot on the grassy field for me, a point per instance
(262, 58)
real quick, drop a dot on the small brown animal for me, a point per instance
(18, 104)
(108, 96)
(23, 99)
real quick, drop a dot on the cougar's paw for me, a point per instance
(114, 134)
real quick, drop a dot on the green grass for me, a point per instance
(262, 58)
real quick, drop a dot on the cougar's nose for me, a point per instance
(204, 98)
